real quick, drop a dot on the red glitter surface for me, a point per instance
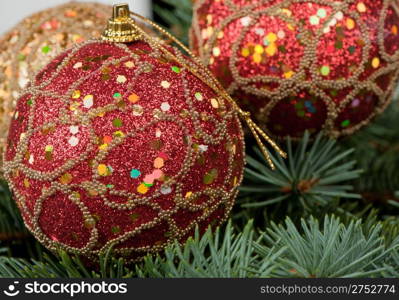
(98, 74)
(263, 50)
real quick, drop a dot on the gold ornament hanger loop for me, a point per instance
(122, 28)
(119, 28)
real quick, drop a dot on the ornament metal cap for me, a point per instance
(121, 27)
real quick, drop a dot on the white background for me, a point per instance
(13, 11)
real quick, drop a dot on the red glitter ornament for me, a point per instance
(302, 65)
(120, 144)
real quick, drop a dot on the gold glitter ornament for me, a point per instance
(35, 41)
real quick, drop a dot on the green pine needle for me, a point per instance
(377, 152)
(329, 250)
(216, 255)
(177, 16)
(11, 223)
(314, 174)
(333, 249)
(222, 253)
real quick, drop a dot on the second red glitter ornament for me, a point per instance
(302, 65)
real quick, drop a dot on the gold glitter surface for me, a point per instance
(35, 41)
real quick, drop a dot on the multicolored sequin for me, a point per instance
(302, 65)
(134, 159)
(35, 41)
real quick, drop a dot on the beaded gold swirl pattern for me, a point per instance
(35, 41)
(122, 145)
(302, 65)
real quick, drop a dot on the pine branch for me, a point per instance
(358, 249)
(177, 15)
(377, 152)
(330, 250)
(220, 254)
(15, 239)
(215, 255)
(392, 266)
(62, 266)
(11, 224)
(313, 176)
